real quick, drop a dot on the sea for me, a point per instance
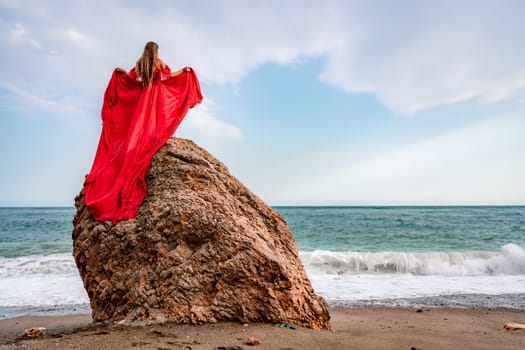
(437, 256)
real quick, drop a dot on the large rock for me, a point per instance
(203, 248)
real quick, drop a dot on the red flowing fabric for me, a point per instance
(137, 121)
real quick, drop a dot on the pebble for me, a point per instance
(35, 332)
(253, 341)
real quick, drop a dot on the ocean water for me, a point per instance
(388, 256)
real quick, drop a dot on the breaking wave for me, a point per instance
(510, 260)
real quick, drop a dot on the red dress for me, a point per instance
(137, 121)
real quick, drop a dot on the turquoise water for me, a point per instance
(31, 231)
(455, 256)
(415, 229)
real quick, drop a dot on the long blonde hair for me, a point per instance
(146, 64)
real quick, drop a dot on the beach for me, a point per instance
(353, 328)
(463, 268)
(236, 175)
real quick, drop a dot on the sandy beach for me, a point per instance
(359, 328)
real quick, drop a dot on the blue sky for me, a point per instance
(306, 102)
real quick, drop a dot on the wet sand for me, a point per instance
(353, 328)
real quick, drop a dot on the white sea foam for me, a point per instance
(391, 275)
(510, 260)
(385, 286)
(54, 280)
(40, 281)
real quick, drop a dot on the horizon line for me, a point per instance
(302, 206)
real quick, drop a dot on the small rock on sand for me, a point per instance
(513, 326)
(35, 332)
(253, 341)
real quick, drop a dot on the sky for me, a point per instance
(306, 102)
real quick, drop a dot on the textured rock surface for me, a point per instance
(203, 248)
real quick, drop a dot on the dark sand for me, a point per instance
(359, 328)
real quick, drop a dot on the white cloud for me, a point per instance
(79, 40)
(202, 123)
(19, 35)
(436, 53)
(477, 164)
(411, 55)
(30, 101)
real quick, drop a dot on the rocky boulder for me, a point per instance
(203, 248)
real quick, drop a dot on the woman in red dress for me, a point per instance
(141, 111)
(150, 67)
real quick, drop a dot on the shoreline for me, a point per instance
(359, 328)
(482, 302)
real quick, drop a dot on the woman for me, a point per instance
(141, 111)
(150, 67)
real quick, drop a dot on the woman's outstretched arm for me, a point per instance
(121, 70)
(185, 69)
